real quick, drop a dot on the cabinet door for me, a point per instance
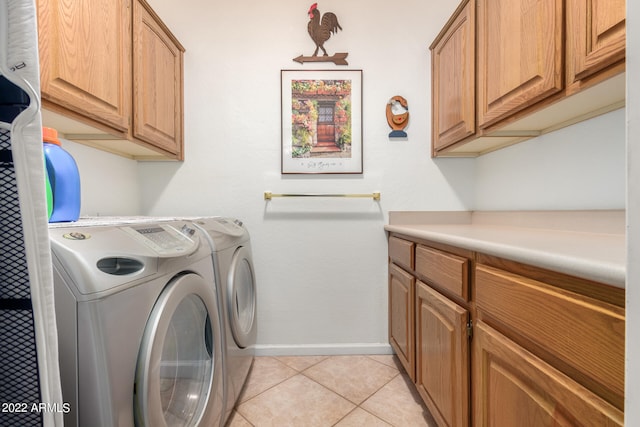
(453, 80)
(401, 317)
(512, 387)
(158, 83)
(442, 357)
(85, 58)
(519, 55)
(595, 36)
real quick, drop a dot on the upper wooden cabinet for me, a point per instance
(595, 36)
(111, 77)
(519, 55)
(540, 66)
(453, 79)
(85, 58)
(157, 81)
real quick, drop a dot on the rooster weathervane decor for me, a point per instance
(320, 30)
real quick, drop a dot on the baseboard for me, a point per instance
(322, 349)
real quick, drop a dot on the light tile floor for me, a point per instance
(325, 391)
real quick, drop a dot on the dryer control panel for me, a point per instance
(164, 239)
(230, 226)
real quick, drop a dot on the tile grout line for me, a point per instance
(236, 407)
(267, 389)
(308, 367)
(382, 363)
(302, 373)
(357, 405)
(379, 388)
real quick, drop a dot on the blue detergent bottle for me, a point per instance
(63, 177)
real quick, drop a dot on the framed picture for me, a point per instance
(321, 121)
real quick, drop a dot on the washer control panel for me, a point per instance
(164, 239)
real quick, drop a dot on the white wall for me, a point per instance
(109, 184)
(578, 167)
(321, 264)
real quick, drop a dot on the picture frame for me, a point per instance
(321, 122)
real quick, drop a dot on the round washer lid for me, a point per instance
(177, 370)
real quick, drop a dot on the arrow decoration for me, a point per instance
(336, 58)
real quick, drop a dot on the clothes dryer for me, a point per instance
(138, 324)
(233, 263)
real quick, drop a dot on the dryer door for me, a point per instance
(178, 377)
(241, 298)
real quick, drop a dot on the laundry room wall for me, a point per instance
(109, 184)
(321, 264)
(578, 167)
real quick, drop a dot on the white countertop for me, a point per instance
(586, 244)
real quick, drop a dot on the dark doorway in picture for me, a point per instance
(326, 128)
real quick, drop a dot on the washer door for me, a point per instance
(177, 365)
(241, 298)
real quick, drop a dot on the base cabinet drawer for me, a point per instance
(447, 272)
(512, 387)
(401, 252)
(585, 336)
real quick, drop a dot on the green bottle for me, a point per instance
(49, 192)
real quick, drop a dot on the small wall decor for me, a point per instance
(397, 116)
(321, 121)
(320, 31)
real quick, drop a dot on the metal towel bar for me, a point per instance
(268, 195)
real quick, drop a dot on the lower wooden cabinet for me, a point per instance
(581, 334)
(401, 317)
(442, 355)
(491, 342)
(427, 329)
(512, 387)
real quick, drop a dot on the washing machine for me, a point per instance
(233, 263)
(139, 325)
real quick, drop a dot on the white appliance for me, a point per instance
(233, 264)
(138, 325)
